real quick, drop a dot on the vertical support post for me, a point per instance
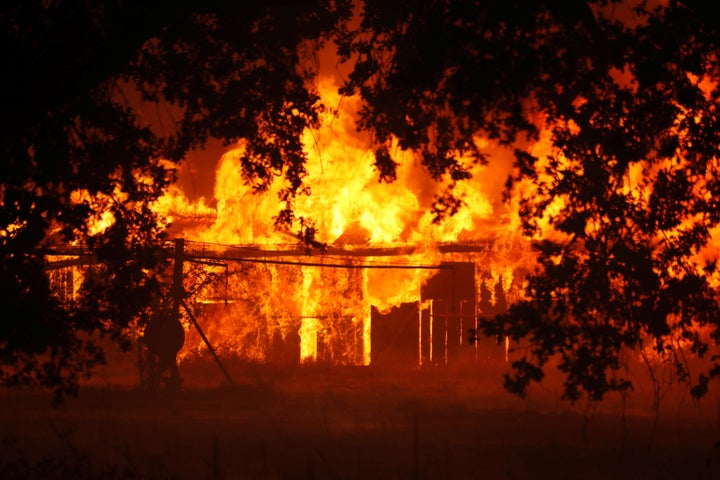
(178, 295)
(432, 326)
(462, 324)
(178, 291)
(476, 325)
(420, 336)
(447, 322)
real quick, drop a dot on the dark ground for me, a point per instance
(350, 423)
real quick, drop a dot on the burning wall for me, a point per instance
(285, 309)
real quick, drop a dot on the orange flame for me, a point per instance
(352, 210)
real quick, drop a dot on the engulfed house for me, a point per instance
(323, 318)
(282, 307)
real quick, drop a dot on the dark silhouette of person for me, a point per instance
(164, 336)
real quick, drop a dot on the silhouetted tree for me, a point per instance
(621, 203)
(78, 148)
(626, 194)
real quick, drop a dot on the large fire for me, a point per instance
(383, 248)
(392, 278)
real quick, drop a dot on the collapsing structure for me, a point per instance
(348, 306)
(286, 308)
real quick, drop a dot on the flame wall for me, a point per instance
(280, 313)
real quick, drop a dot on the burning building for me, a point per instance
(395, 286)
(287, 307)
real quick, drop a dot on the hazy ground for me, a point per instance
(350, 423)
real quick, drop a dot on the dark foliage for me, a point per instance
(620, 205)
(622, 202)
(77, 147)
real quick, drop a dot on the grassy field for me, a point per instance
(351, 423)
